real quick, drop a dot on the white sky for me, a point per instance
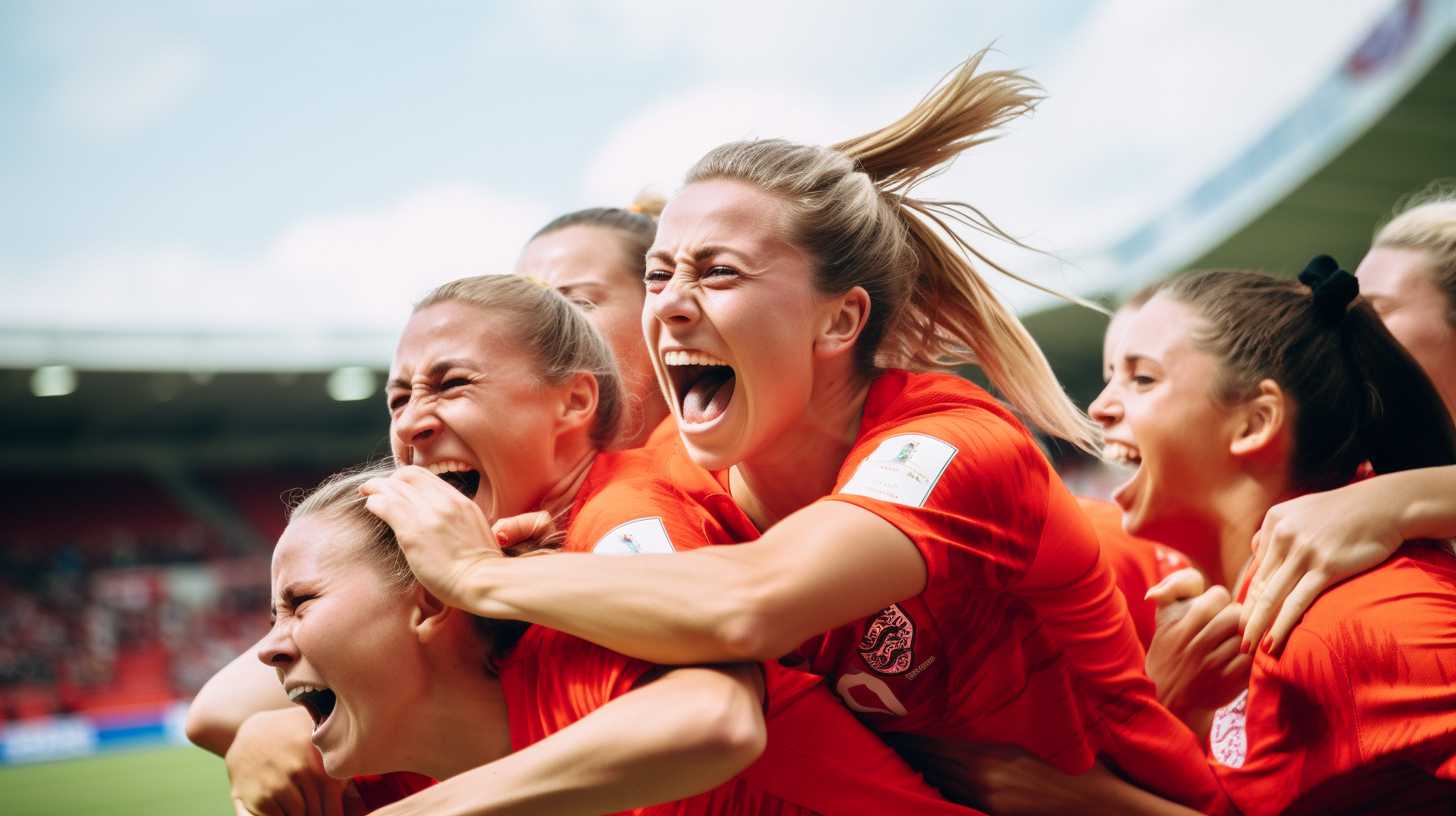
(302, 167)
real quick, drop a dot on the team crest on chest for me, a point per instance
(888, 643)
(1227, 739)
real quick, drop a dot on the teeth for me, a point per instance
(298, 691)
(1123, 454)
(448, 466)
(691, 358)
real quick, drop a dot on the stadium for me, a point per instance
(204, 286)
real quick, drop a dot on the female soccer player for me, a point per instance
(509, 397)
(392, 679)
(918, 550)
(594, 258)
(1292, 387)
(1310, 543)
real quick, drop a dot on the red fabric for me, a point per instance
(1358, 714)
(664, 434)
(1020, 636)
(819, 759)
(1136, 563)
(378, 790)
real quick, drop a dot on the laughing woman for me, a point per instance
(1292, 388)
(503, 399)
(918, 550)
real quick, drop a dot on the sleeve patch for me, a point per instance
(903, 469)
(636, 537)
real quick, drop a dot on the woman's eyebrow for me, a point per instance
(436, 370)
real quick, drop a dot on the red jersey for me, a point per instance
(664, 433)
(818, 759)
(1136, 563)
(1358, 714)
(378, 790)
(1020, 636)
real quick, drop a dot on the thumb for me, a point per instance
(1181, 585)
(525, 527)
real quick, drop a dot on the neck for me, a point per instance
(561, 492)
(654, 411)
(459, 692)
(1238, 511)
(801, 465)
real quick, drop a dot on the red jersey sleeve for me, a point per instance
(975, 495)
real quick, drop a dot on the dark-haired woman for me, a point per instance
(1292, 387)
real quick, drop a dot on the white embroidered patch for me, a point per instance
(869, 695)
(903, 469)
(1227, 739)
(638, 536)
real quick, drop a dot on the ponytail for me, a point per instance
(850, 208)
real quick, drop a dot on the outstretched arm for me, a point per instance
(1307, 544)
(825, 565)
(686, 732)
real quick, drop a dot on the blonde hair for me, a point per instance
(1427, 222)
(338, 498)
(546, 323)
(849, 206)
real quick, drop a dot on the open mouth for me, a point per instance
(702, 384)
(319, 702)
(1122, 454)
(458, 475)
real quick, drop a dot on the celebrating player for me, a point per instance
(594, 258)
(918, 550)
(1310, 543)
(1292, 388)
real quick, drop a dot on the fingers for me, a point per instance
(1220, 631)
(1267, 599)
(1180, 585)
(525, 527)
(1293, 609)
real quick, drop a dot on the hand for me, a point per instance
(1194, 657)
(523, 529)
(1307, 544)
(442, 533)
(276, 771)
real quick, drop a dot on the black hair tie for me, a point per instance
(1332, 288)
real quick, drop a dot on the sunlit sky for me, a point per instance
(262, 165)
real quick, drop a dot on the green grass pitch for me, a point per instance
(158, 782)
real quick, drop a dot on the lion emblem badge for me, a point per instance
(888, 642)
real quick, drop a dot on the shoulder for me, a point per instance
(633, 508)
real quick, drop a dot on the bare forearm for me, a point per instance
(679, 736)
(1429, 505)
(815, 570)
(239, 690)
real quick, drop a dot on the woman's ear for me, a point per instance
(843, 319)
(1260, 421)
(579, 397)
(429, 616)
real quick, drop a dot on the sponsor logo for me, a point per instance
(869, 695)
(1227, 739)
(888, 642)
(903, 469)
(643, 535)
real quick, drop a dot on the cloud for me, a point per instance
(354, 270)
(112, 74)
